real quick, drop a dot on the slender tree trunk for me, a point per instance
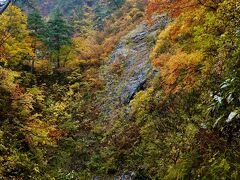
(58, 60)
(33, 66)
(34, 45)
(58, 53)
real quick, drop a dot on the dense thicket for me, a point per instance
(182, 125)
(48, 87)
(186, 121)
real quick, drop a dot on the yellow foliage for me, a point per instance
(179, 71)
(15, 43)
(43, 66)
(37, 131)
(178, 62)
(87, 48)
(140, 104)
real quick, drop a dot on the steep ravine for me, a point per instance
(128, 67)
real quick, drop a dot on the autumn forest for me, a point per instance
(119, 89)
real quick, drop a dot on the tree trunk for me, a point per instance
(58, 61)
(33, 66)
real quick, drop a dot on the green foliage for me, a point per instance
(36, 25)
(183, 125)
(58, 35)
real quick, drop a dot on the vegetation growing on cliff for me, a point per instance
(188, 117)
(182, 123)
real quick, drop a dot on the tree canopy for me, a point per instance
(66, 68)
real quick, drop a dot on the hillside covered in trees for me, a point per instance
(120, 89)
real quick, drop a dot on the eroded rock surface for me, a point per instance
(128, 67)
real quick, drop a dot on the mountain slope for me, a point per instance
(120, 98)
(128, 68)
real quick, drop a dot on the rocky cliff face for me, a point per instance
(128, 67)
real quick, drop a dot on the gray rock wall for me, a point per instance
(128, 67)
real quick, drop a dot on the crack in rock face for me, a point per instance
(128, 67)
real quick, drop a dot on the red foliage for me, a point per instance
(57, 133)
(174, 8)
(17, 92)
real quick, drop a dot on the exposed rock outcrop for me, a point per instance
(128, 68)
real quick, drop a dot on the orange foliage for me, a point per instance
(179, 71)
(43, 66)
(175, 54)
(116, 67)
(17, 92)
(87, 48)
(160, 60)
(111, 42)
(116, 27)
(57, 134)
(174, 8)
